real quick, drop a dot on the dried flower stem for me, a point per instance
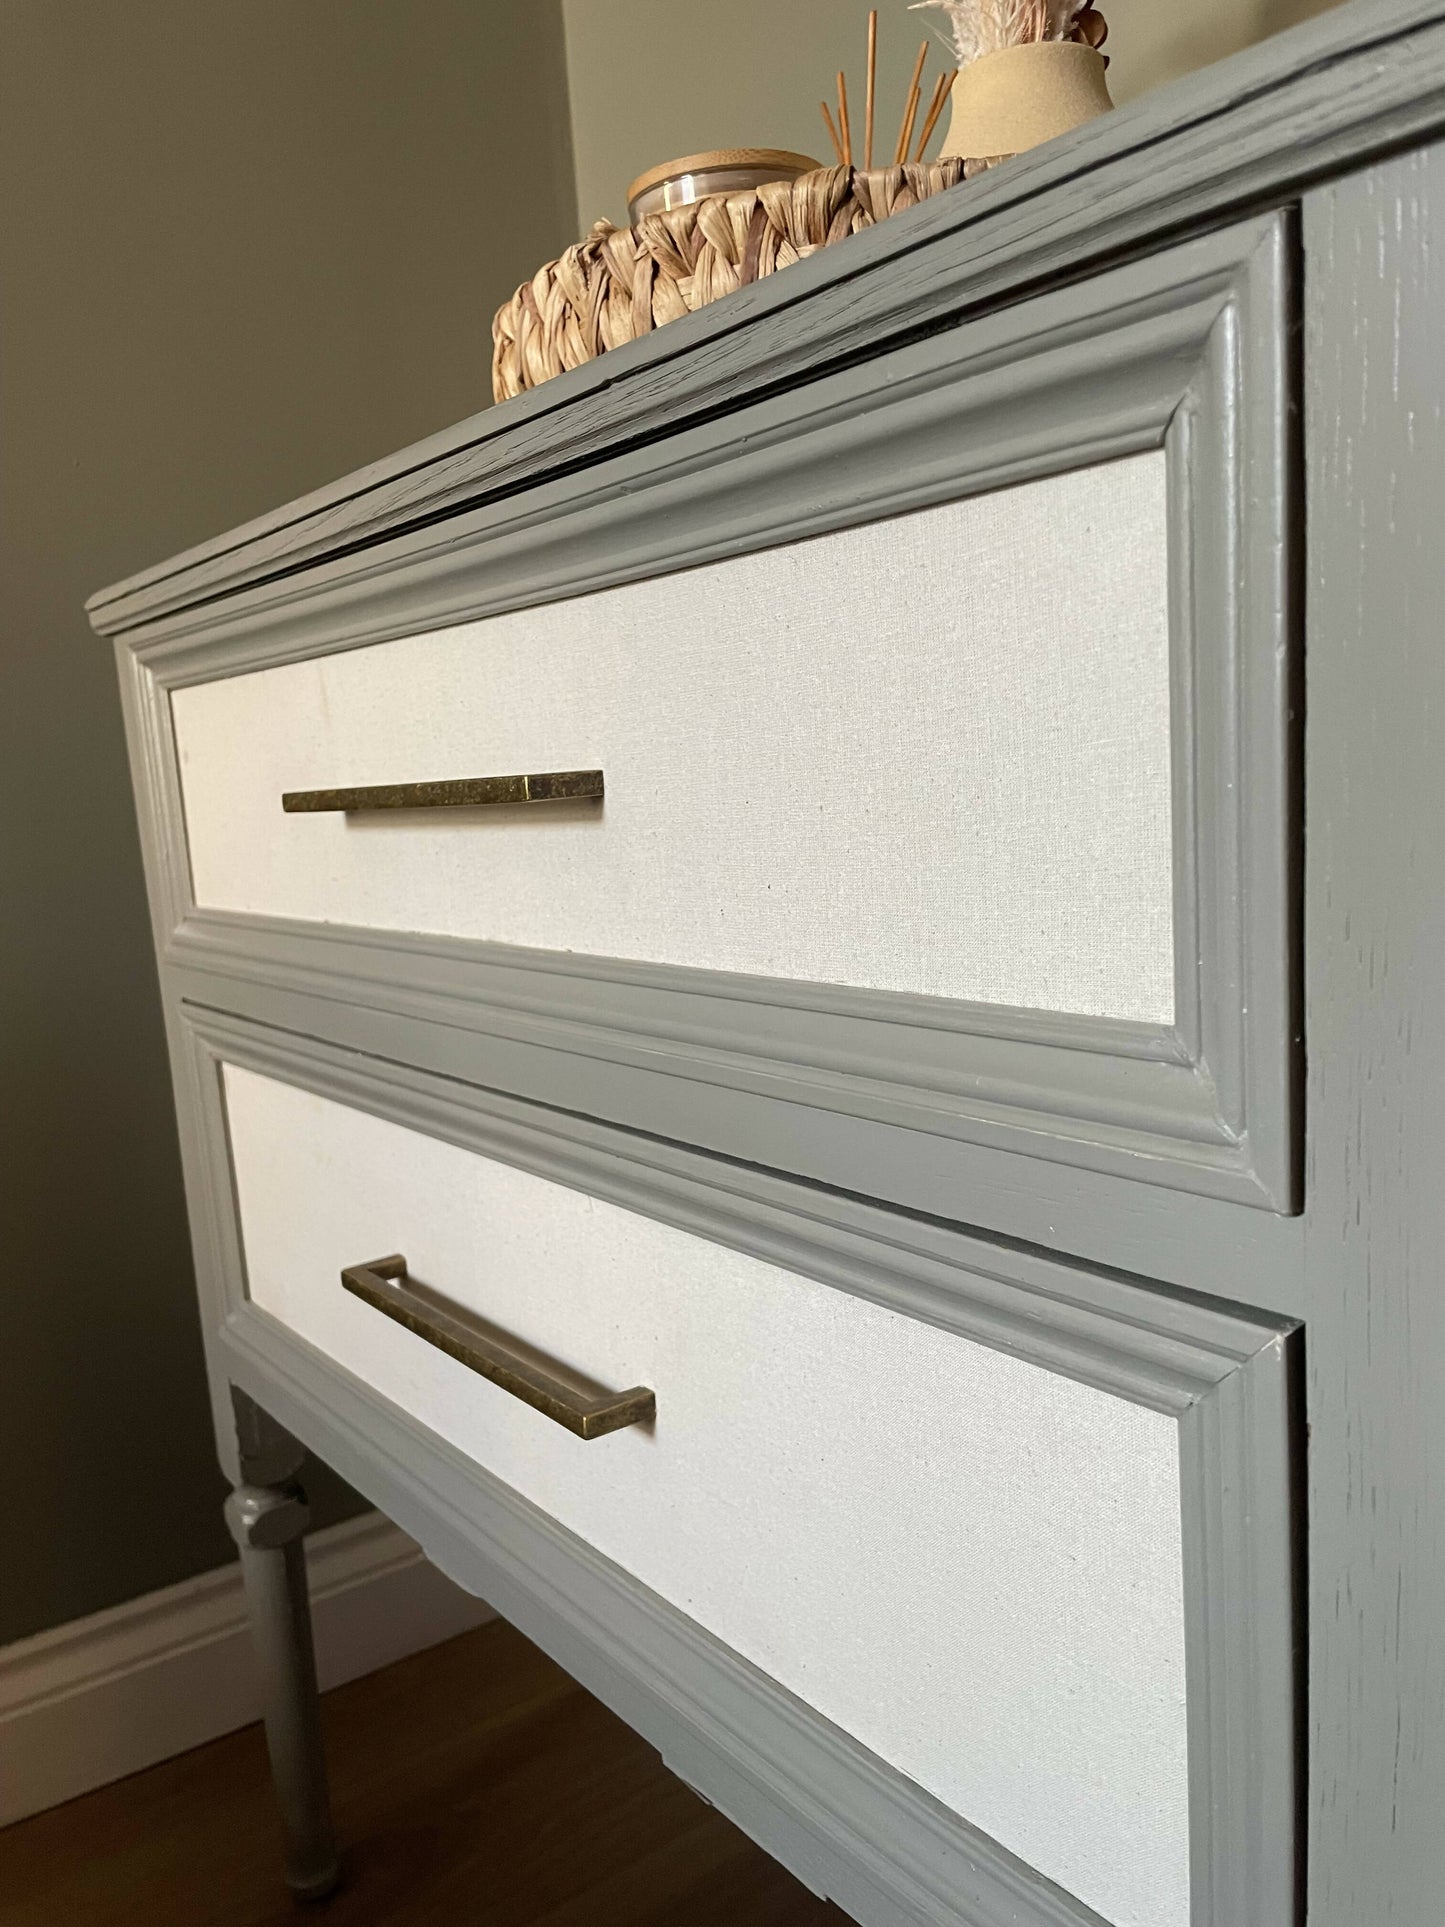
(910, 110)
(942, 89)
(832, 132)
(872, 87)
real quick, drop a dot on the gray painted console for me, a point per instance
(1236, 1221)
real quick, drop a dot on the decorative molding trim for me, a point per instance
(1245, 1669)
(92, 1701)
(1161, 1349)
(1057, 382)
(1241, 134)
(1187, 352)
(845, 1822)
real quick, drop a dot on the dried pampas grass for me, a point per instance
(979, 27)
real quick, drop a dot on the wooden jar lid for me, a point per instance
(719, 171)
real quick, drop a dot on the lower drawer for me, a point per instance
(974, 1565)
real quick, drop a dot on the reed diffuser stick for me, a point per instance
(936, 106)
(872, 87)
(845, 129)
(910, 111)
(832, 131)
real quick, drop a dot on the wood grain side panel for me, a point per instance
(1374, 939)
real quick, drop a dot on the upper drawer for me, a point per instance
(928, 755)
(943, 712)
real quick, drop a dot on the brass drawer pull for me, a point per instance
(382, 1285)
(467, 792)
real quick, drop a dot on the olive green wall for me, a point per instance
(655, 79)
(243, 248)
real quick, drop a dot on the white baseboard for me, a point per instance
(89, 1702)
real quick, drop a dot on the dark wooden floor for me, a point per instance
(475, 1783)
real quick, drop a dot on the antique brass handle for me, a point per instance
(467, 792)
(382, 1285)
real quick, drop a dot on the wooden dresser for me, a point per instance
(881, 1194)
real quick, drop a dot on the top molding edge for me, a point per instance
(1248, 132)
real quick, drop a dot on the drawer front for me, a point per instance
(973, 1565)
(941, 718)
(889, 758)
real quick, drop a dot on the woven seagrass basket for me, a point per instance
(624, 282)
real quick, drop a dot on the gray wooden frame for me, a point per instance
(849, 1825)
(1324, 115)
(1374, 942)
(1187, 351)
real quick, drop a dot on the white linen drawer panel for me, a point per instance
(972, 1564)
(930, 754)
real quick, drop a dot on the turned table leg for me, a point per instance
(267, 1522)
